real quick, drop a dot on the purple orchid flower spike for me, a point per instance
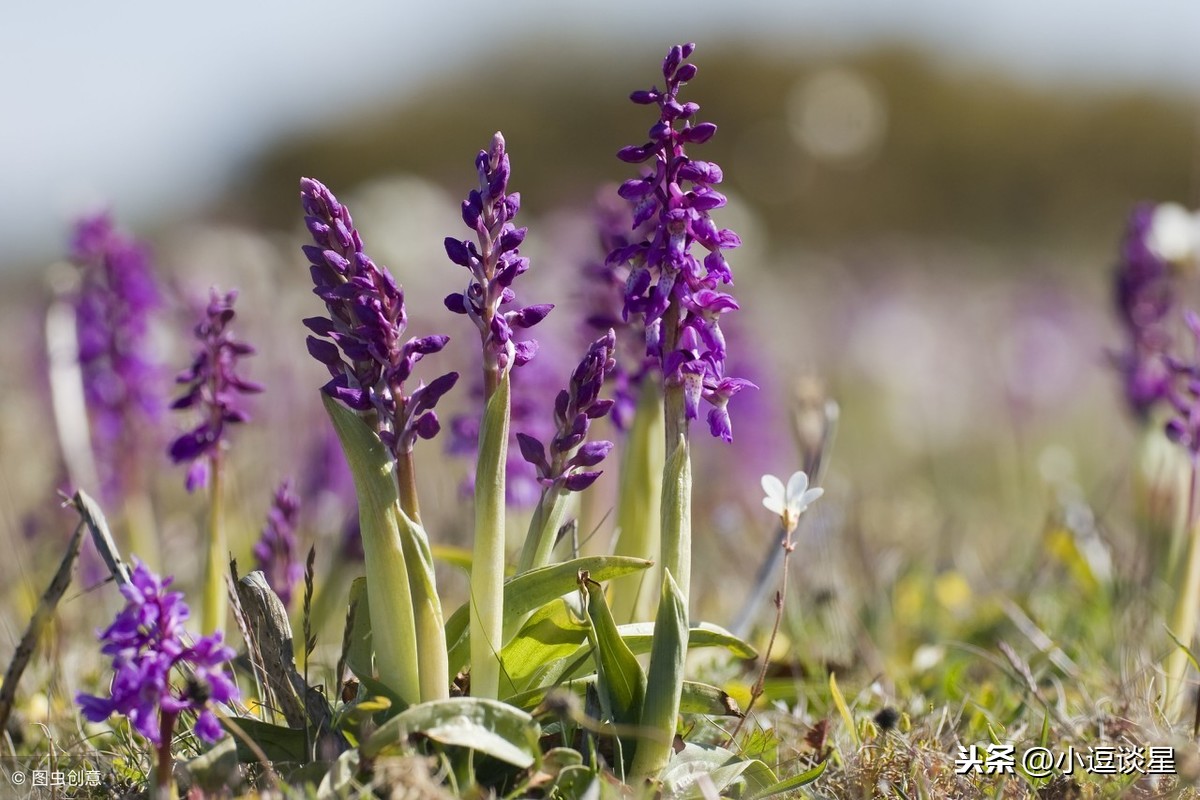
(147, 642)
(115, 305)
(494, 261)
(276, 553)
(362, 341)
(213, 388)
(1143, 297)
(670, 287)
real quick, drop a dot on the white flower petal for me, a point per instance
(811, 495)
(774, 505)
(796, 485)
(773, 487)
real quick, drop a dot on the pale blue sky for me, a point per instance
(147, 105)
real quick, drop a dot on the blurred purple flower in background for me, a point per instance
(147, 641)
(601, 300)
(1183, 392)
(570, 454)
(117, 298)
(1143, 296)
(676, 293)
(361, 342)
(276, 551)
(213, 386)
(494, 263)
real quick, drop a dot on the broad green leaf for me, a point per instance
(664, 681)
(339, 782)
(552, 633)
(724, 768)
(548, 517)
(388, 590)
(694, 698)
(532, 590)
(360, 656)
(621, 680)
(640, 638)
(485, 726)
(487, 601)
(278, 742)
(790, 784)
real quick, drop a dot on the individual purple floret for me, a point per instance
(674, 291)
(571, 456)
(213, 387)
(275, 552)
(1183, 392)
(147, 642)
(1143, 298)
(362, 341)
(494, 262)
(114, 307)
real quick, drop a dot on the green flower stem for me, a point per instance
(433, 662)
(676, 513)
(1183, 623)
(162, 781)
(548, 517)
(406, 483)
(639, 505)
(487, 563)
(215, 601)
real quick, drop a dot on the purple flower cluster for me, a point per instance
(494, 262)
(1143, 300)
(571, 455)
(276, 552)
(1183, 392)
(665, 275)
(117, 298)
(213, 386)
(603, 298)
(362, 341)
(147, 641)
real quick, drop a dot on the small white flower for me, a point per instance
(790, 502)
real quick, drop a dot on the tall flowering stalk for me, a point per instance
(148, 643)
(114, 307)
(567, 466)
(276, 551)
(1183, 428)
(637, 411)
(214, 389)
(494, 262)
(362, 343)
(106, 373)
(676, 293)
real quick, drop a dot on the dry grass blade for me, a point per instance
(41, 616)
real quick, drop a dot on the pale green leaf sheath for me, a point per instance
(639, 506)
(389, 594)
(487, 570)
(664, 683)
